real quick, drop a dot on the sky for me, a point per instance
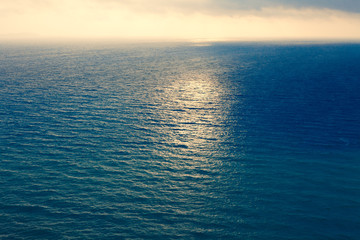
(180, 19)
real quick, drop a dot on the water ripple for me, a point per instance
(226, 141)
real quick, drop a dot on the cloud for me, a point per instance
(343, 5)
(189, 6)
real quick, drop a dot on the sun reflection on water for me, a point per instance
(192, 114)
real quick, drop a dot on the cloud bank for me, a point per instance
(180, 19)
(232, 6)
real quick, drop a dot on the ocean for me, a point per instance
(180, 141)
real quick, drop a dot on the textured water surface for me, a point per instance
(174, 141)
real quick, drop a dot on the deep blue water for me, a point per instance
(178, 141)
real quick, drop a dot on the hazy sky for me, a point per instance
(180, 19)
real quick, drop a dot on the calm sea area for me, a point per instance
(180, 141)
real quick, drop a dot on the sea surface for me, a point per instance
(180, 141)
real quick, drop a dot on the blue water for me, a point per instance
(180, 141)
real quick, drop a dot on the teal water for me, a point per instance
(174, 141)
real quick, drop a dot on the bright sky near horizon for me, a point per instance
(180, 19)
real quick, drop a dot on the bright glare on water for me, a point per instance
(173, 141)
